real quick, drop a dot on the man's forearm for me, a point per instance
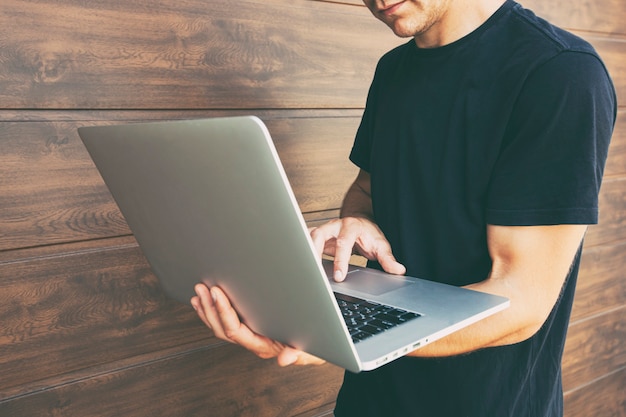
(530, 264)
(358, 200)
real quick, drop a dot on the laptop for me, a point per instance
(208, 201)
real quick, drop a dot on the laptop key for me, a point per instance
(408, 315)
(359, 335)
(391, 318)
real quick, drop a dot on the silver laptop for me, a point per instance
(208, 201)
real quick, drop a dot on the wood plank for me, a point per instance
(74, 310)
(320, 217)
(196, 56)
(190, 54)
(616, 161)
(601, 283)
(315, 155)
(594, 348)
(219, 382)
(612, 52)
(601, 398)
(50, 191)
(612, 221)
(588, 15)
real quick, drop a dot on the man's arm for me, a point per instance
(529, 267)
(530, 264)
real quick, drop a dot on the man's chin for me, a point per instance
(402, 33)
(401, 29)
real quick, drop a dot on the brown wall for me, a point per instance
(85, 329)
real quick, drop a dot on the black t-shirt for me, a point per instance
(509, 125)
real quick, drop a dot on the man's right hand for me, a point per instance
(341, 238)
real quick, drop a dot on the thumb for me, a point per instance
(287, 356)
(390, 265)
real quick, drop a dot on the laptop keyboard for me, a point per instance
(366, 318)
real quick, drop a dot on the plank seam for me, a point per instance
(114, 367)
(587, 384)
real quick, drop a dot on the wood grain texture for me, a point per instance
(315, 155)
(612, 218)
(197, 55)
(602, 398)
(68, 311)
(601, 283)
(50, 191)
(192, 54)
(604, 16)
(218, 382)
(612, 52)
(616, 161)
(594, 348)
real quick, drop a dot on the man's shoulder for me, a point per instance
(519, 43)
(539, 34)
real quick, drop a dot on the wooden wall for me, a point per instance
(84, 327)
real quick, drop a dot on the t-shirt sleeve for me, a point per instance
(361, 149)
(552, 158)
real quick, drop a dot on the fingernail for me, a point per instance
(213, 295)
(338, 275)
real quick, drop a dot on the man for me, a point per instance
(481, 152)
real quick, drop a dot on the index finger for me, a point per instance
(344, 246)
(339, 235)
